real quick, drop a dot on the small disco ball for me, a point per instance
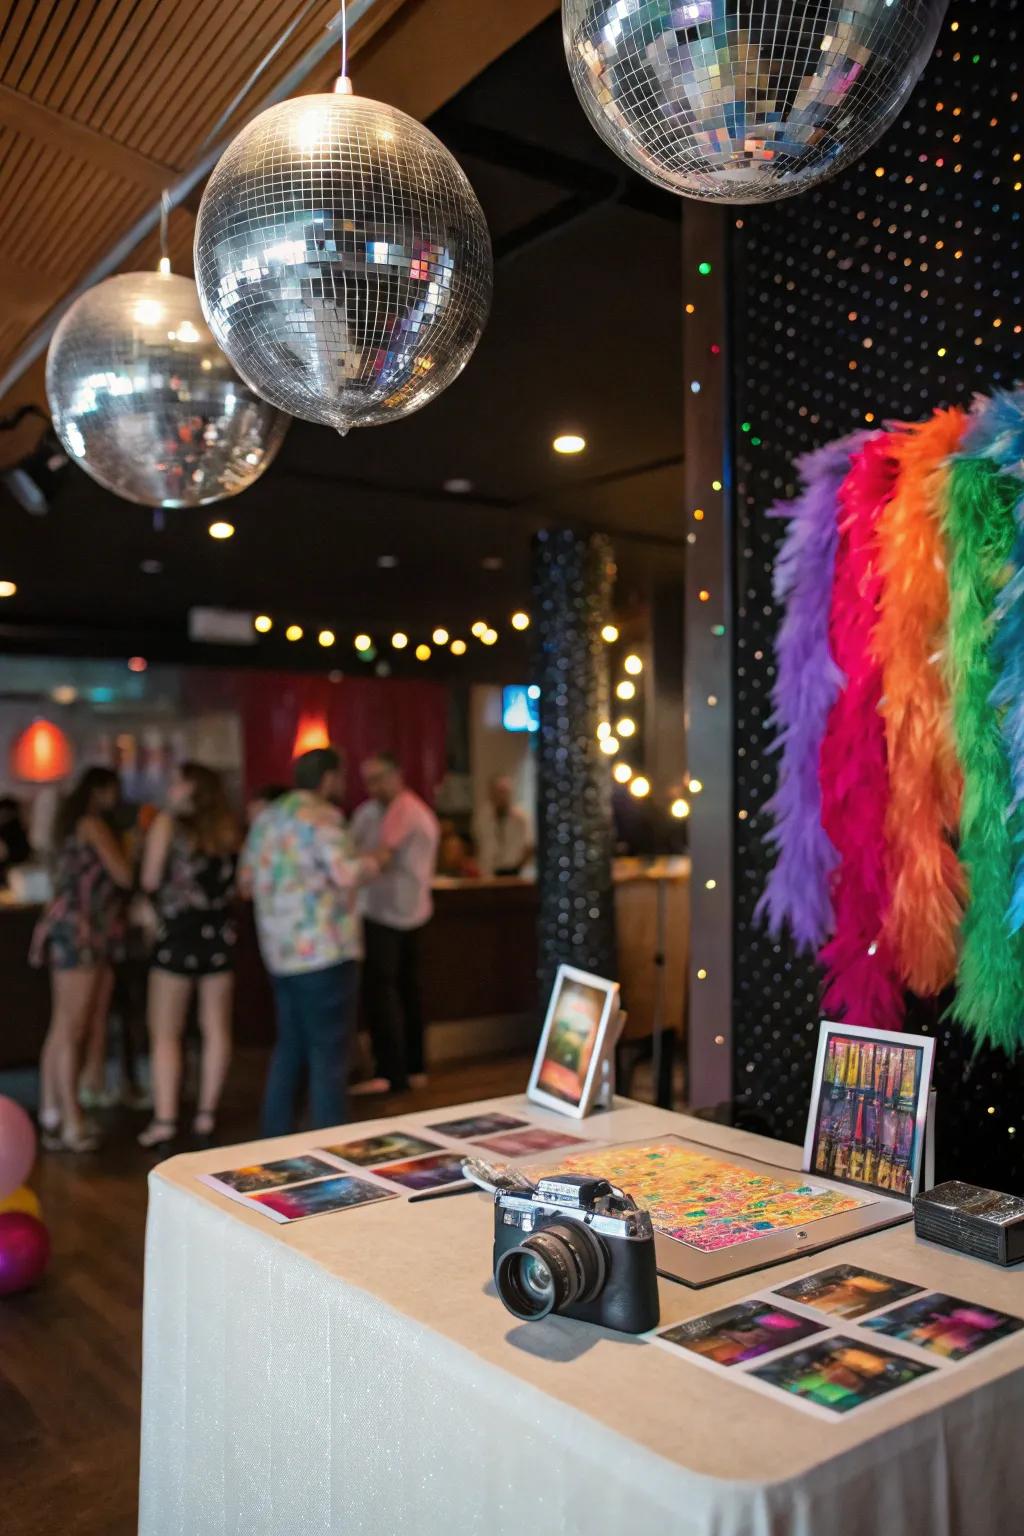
(145, 401)
(745, 101)
(343, 261)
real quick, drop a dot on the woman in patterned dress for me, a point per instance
(80, 934)
(188, 866)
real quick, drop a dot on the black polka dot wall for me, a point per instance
(888, 291)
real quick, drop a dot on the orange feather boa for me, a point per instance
(926, 883)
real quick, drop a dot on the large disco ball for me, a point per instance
(745, 101)
(145, 401)
(343, 261)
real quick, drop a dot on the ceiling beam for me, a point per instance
(24, 115)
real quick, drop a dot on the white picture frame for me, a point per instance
(830, 1030)
(552, 1082)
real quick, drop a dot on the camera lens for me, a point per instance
(550, 1270)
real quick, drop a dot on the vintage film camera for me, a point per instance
(577, 1246)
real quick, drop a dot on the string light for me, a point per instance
(8, 588)
(325, 638)
(489, 636)
(362, 642)
(633, 665)
(520, 621)
(625, 690)
(609, 745)
(695, 786)
(680, 808)
(569, 442)
(399, 640)
(710, 885)
(440, 636)
(610, 634)
(293, 632)
(221, 530)
(626, 727)
(423, 652)
(604, 729)
(622, 773)
(458, 647)
(263, 624)
(640, 787)
(478, 629)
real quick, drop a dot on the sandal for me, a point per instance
(158, 1133)
(61, 1141)
(204, 1127)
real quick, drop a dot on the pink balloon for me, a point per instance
(24, 1251)
(17, 1146)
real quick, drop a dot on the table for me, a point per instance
(355, 1374)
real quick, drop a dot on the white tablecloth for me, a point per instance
(355, 1374)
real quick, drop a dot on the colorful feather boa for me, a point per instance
(862, 977)
(979, 526)
(806, 684)
(926, 885)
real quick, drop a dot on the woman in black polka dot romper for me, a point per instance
(188, 867)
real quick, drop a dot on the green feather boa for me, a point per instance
(979, 527)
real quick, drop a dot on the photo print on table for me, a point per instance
(845, 1290)
(946, 1326)
(425, 1173)
(742, 1332)
(255, 1177)
(533, 1138)
(383, 1148)
(472, 1126)
(839, 1374)
(341, 1193)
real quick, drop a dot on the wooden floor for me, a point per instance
(70, 1350)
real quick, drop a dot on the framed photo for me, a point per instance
(869, 1109)
(567, 1067)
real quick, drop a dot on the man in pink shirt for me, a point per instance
(396, 906)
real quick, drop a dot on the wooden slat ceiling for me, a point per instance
(102, 104)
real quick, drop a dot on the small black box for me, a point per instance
(977, 1221)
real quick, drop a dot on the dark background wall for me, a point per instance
(844, 298)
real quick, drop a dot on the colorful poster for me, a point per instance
(948, 1327)
(532, 1138)
(570, 1044)
(866, 1127)
(338, 1194)
(839, 1374)
(424, 1173)
(704, 1201)
(740, 1333)
(258, 1176)
(382, 1148)
(472, 1126)
(846, 1291)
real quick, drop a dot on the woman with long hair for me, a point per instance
(80, 934)
(188, 867)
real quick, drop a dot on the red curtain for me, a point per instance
(360, 715)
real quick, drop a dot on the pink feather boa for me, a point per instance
(862, 976)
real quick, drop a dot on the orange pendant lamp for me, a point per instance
(41, 754)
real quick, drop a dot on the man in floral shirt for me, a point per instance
(303, 877)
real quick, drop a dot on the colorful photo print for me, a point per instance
(740, 1333)
(338, 1194)
(382, 1148)
(704, 1201)
(258, 1176)
(840, 1374)
(578, 1011)
(866, 1127)
(472, 1126)
(534, 1138)
(425, 1172)
(948, 1327)
(846, 1291)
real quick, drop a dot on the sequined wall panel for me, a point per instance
(572, 576)
(890, 290)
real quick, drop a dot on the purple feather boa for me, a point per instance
(807, 682)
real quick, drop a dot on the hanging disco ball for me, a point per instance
(343, 261)
(145, 401)
(745, 101)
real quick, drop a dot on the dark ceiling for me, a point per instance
(585, 334)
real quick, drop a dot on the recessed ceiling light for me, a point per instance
(569, 442)
(151, 567)
(399, 640)
(137, 664)
(326, 637)
(221, 530)
(293, 632)
(520, 621)
(492, 563)
(458, 486)
(387, 562)
(263, 623)
(8, 588)
(440, 636)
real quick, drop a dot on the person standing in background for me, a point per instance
(395, 906)
(504, 840)
(188, 868)
(303, 878)
(80, 934)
